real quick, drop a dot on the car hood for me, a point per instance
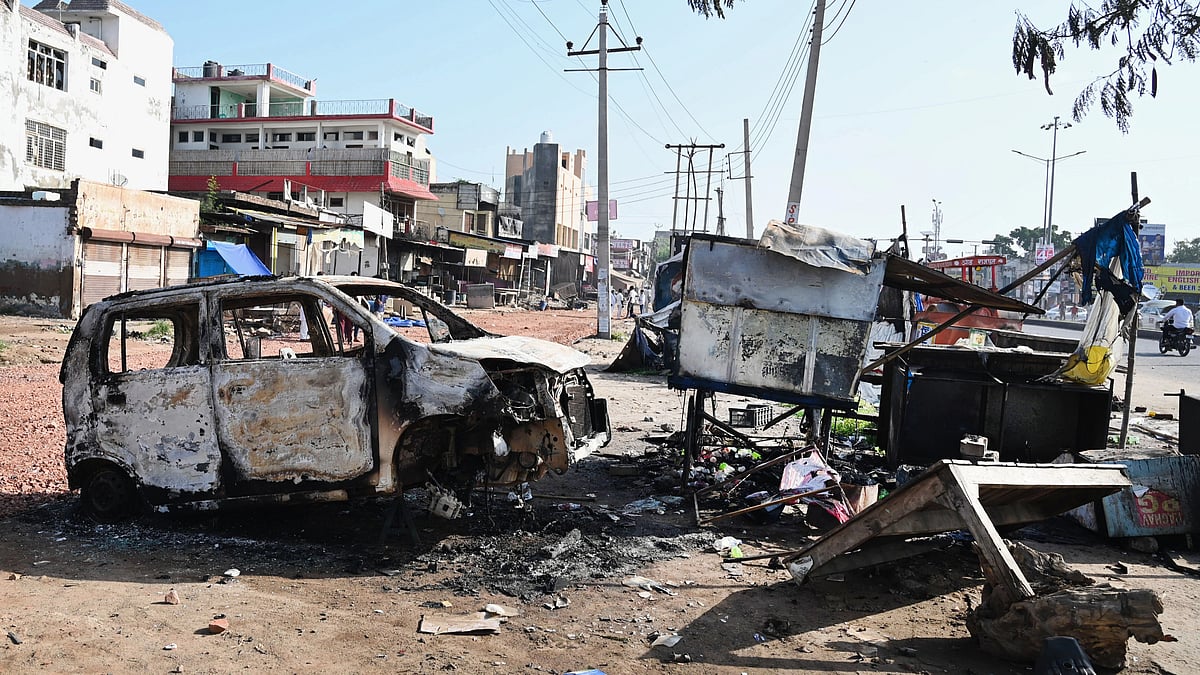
(522, 350)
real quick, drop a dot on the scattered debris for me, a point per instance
(171, 598)
(466, 624)
(666, 641)
(218, 626)
(13, 637)
(170, 647)
(438, 604)
(567, 543)
(501, 610)
(559, 602)
(733, 569)
(647, 585)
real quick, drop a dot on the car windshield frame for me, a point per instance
(456, 327)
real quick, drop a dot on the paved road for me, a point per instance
(1154, 373)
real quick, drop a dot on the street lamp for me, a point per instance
(937, 229)
(974, 243)
(1048, 194)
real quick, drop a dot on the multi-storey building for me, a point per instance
(87, 95)
(259, 129)
(549, 187)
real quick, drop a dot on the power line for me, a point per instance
(839, 26)
(557, 73)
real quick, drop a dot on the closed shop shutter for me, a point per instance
(145, 267)
(179, 265)
(101, 270)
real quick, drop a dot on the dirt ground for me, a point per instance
(317, 592)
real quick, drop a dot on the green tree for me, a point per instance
(209, 203)
(1027, 239)
(1186, 251)
(1141, 32)
(1003, 245)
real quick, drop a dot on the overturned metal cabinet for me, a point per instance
(757, 321)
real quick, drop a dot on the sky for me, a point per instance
(916, 102)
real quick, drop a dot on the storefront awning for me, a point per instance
(907, 275)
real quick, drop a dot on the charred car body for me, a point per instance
(292, 389)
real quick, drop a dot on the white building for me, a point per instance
(87, 91)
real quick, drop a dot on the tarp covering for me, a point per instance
(1098, 247)
(239, 258)
(818, 247)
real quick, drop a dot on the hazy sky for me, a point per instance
(916, 101)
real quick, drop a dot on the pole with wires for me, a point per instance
(749, 193)
(603, 251)
(810, 86)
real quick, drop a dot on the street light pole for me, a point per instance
(1055, 125)
(937, 228)
(1048, 194)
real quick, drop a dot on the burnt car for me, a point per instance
(270, 389)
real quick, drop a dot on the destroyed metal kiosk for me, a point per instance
(762, 323)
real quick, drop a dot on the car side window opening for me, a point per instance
(277, 327)
(151, 338)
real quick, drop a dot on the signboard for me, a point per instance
(1173, 279)
(969, 261)
(513, 251)
(622, 244)
(475, 258)
(1153, 238)
(467, 240)
(1043, 253)
(792, 216)
(377, 221)
(1157, 509)
(593, 210)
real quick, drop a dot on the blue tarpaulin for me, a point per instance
(239, 259)
(1098, 247)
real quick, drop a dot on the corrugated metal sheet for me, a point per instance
(144, 268)
(101, 270)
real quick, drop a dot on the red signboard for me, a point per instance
(969, 261)
(1158, 509)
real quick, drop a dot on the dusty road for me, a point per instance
(317, 593)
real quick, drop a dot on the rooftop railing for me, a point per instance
(309, 108)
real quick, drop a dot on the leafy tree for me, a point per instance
(1003, 246)
(209, 203)
(1142, 32)
(1186, 251)
(1027, 240)
(710, 8)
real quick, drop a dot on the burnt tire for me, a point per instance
(109, 495)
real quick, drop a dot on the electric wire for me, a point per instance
(839, 26)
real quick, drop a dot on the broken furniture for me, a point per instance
(1163, 498)
(936, 394)
(981, 498)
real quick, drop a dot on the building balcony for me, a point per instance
(311, 109)
(252, 71)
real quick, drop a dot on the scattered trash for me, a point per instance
(645, 595)
(907, 651)
(450, 624)
(501, 610)
(590, 671)
(1119, 568)
(232, 573)
(13, 637)
(758, 637)
(1062, 655)
(13, 576)
(218, 626)
(171, 598)
(681, 658)
(726, 543)
(170, 647)
(733, 569)
(39, 563)
(558, 603)
(443, 504)
(666, 641)
(260, 649)
(643, 506)
(439, 604)
(646, 585)
(568, 542)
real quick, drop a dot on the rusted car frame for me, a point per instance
(244, 410)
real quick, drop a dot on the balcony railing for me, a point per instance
(309, 108)
(298, 162)
(216, 70)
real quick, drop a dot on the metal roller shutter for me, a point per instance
(101, 270)
(145, 267)
(179, 266)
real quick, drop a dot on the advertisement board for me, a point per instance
(1173, 279)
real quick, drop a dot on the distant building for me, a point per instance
(259, 129)
(550, 188)
(87, 94)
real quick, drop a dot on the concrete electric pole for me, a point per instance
(603, 253)
(792, 215)
(749, 193)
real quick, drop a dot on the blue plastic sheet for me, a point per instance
(240, 259)
(397, 322)
(1098, 247)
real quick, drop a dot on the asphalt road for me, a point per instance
(1154, 374)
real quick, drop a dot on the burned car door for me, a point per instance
(291, 400)
(152, 400)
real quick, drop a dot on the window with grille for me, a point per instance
(45, 146)
(47, 65)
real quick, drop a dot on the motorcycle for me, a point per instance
(1179, 339)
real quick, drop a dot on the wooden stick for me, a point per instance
(741, 476)
(758, 507)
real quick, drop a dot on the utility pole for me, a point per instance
(720, 212)
(603, 252)
(749, 194)
(690, 181)
(810, 85)
(1055, 125)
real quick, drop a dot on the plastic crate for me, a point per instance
(754, 415)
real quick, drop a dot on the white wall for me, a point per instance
(123, 116)
(36, 259)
